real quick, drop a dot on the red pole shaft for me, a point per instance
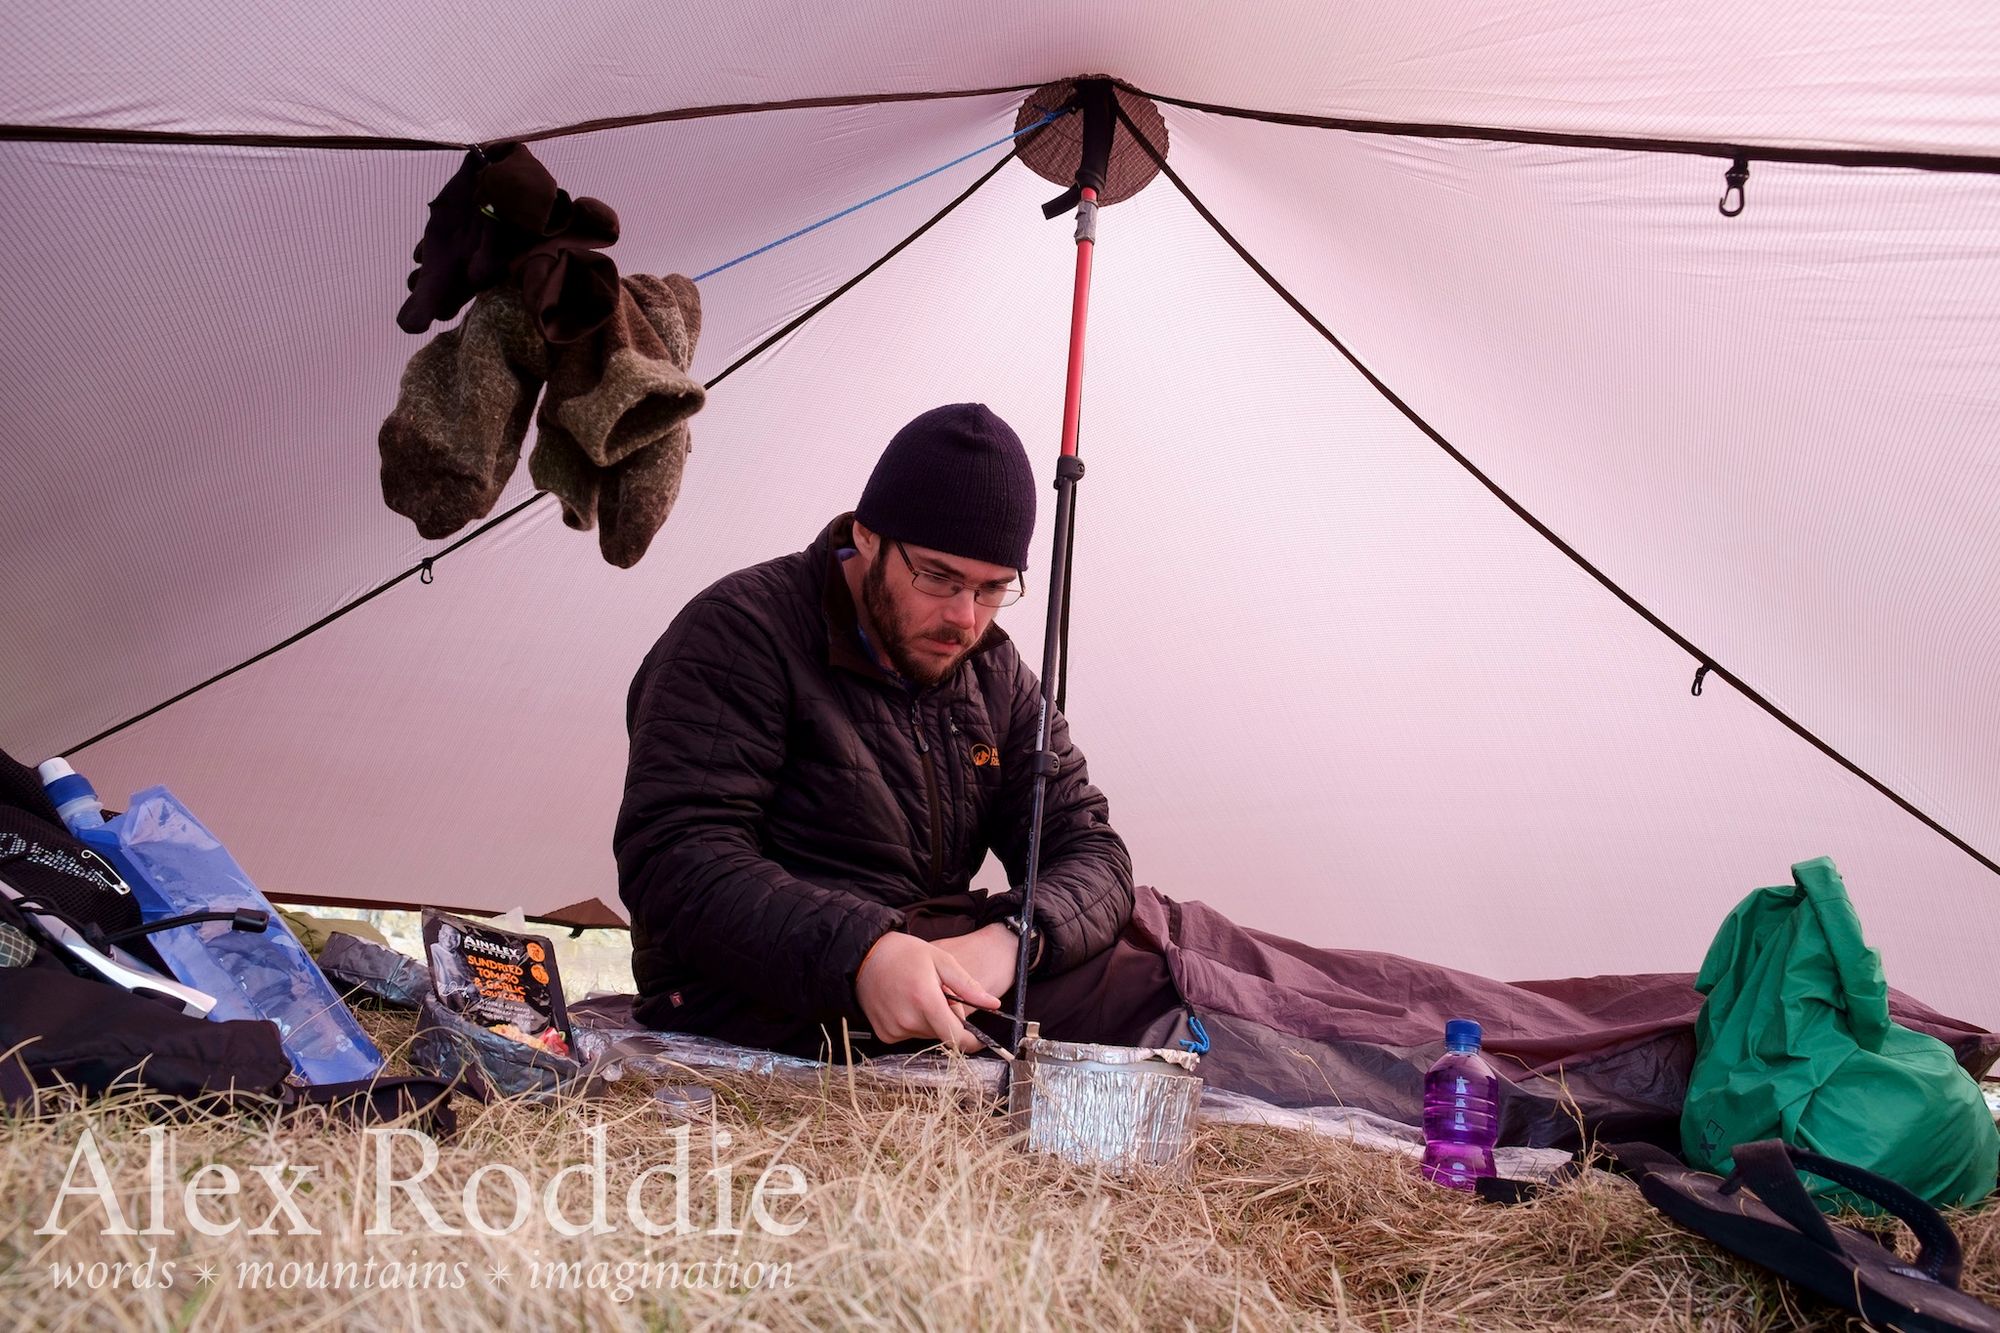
(1079, 314)
(1068, 469)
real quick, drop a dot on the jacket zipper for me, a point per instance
(930, 793)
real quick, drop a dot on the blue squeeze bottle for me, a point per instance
(176, 866)
(1461, 1110)
(82, 813)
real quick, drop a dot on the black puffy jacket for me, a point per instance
(786, 799)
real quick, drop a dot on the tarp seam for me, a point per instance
(1521, 511)
(1905, 159)
(366, 142)
(424, 565)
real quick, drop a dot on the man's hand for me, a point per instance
(989, 954)
(902, 985)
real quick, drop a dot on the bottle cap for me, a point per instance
(64, 784)
(1461, 1032)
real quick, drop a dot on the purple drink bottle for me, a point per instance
(1461, 1110)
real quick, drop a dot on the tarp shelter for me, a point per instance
(1332, 681)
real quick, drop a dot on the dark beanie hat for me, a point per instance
(956, 480)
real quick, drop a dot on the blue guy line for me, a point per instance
(1198, 1043)
(855, 208)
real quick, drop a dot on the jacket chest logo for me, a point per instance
(985, 756)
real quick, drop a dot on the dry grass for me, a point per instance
(916, 1215)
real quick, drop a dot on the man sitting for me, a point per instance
(825, 746)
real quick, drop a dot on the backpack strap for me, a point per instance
(1771, 1168)
(373, 1101)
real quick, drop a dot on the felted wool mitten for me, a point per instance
(466, 398)
(672, 305)
(623, 387)
(637, 495)
(632, 495)
(558, 466)
(638, 492)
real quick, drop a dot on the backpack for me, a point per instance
(1794, 1042)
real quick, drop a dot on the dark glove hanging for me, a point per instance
(502, 219)
(569, 284)
(455, 257)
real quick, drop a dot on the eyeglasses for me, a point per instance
(943, 585)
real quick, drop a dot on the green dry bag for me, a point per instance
(1794, 1042)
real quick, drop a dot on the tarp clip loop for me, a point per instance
(1738, 173)
(424, 571)
(1699, 672)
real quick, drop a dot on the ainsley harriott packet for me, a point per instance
(498, 979)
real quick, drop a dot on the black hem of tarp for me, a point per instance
(364, 142)
(424, 567)
(1521, 511)
(588, 914)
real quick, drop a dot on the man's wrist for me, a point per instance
(856, 1012)
(1021, 929)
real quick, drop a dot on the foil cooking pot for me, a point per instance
(1123, 1108)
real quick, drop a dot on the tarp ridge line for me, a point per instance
(1521, 511)
(366, 142)
(749, 108)
(490, 524)
(1976, 163)
(1838, 157)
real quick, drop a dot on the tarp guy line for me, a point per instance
(878, 198)
(1575, 556)
(423, 567)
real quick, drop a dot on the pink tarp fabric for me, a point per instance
(1785, 73)
(1329, 683)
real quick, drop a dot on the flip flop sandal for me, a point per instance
(1762, 1213)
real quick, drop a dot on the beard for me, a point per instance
(895, 633)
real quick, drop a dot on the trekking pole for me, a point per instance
(1094, 97)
